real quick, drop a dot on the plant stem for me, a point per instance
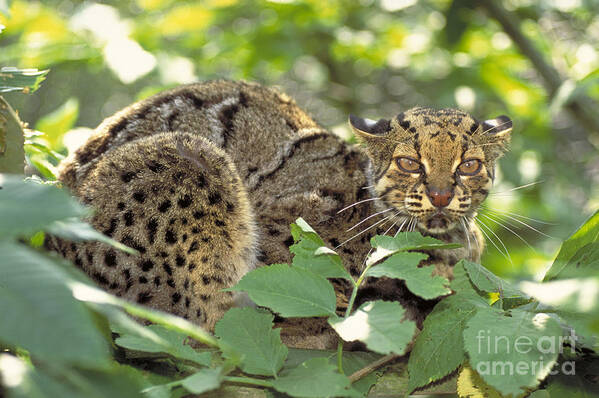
(348, 310)
(248, 380)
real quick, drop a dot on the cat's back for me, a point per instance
(289, 166)
(246, 120)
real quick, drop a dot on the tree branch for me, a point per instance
(581, 106)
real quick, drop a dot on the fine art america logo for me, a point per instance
(533, 354)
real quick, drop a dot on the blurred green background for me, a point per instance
(536, 61)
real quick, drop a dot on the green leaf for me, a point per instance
(202, 381)
(577, 295)
(314, 378)
(76, 230)
(512, 351)
(41, 164)
(247, 333)
(419, 281)
(352, 362)
(40, 314)
(12, 155)
(25, 80)
(574, 379)
(574, 300)
(21, 380)
(388, 245)
(584, 263)
(59, 121)
(33, 146)
(461, 282)
(487, 281)
(27, 207)
(159, 391)
(410, 241)
(311, 253)
(439, 348)
(289, 291)
(379, 325)
(166, 341)
(540, 394)
(101, 301)
(587, 233)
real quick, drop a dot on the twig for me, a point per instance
(371, 367)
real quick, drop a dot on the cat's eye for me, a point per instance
(470, 167)
(409, 165)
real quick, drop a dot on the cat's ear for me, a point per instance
(366, 128)
(497, 132)
(375, 134)
(500, 127)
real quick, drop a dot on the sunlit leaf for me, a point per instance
(34, 292)
(378, 324)
(471, 385)
(76, 230)
(21, 380)
(59, 121)
(25, 80)
(167, 341)
(517, 352)
(587, 233)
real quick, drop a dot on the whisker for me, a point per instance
(413, 223)
(402, 224)
(368, 218)
(506, 254)
(475, 238)
(391, 219)
(389, 229)
(507, 228)
(357, 203)
(503, 212)
(361, 232)
(526, 225)
(467, 236)
(517, 188)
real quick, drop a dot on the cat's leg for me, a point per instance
(178, 200)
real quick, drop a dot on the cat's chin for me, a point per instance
(436, 225)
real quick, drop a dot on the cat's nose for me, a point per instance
(439, 198)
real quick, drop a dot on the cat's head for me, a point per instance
(436, 166)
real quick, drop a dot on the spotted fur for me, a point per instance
(203, 181)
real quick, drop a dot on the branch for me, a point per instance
(581, 106)
(371, 367)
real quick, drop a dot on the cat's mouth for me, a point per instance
(437, 223)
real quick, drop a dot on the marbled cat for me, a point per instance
(204, 180)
